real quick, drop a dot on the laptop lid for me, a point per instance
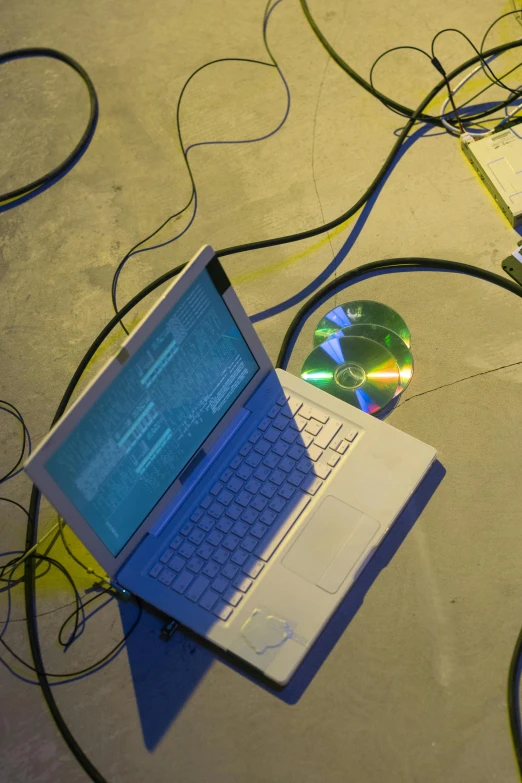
(118, 457)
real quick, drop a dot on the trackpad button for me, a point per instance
(331, 543)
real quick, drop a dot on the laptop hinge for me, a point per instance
(202, 465)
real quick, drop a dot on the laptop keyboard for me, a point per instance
(220, 551)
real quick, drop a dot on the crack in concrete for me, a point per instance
(459, 380)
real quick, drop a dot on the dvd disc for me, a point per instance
(398, 349)
(354, 369)
(360, 312)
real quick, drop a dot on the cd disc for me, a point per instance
(354, 369)
(398, 349)
(360, 312)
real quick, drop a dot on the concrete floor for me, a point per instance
(414, 687)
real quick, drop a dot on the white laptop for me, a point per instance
(236, 498)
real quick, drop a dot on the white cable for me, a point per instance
(465, 80)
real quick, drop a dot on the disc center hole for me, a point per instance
(350, 375)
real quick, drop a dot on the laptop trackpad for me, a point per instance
(331, 543)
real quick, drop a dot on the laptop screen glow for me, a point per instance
(145, 427)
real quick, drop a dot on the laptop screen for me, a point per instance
(145, 427)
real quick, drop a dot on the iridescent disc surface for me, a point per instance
(398, 349)
(354, 369)
(361, 312)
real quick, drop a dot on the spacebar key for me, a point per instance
(266, 548)
(327, 434)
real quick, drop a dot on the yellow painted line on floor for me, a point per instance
(257, 274)
(53, 581)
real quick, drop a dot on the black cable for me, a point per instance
(251, 246)
(485, 89)
(15, 503)
(509, 123)
(29, 573)
(438, 66)
(46, 179)
(75, 614)
(16, 413)
(417, 114)
(503, 124)
(95, 597)
(131, 251)
(453, 105)
(272, 64)
(485, 65)
(492, 25)
(404, 264)
(12, 565)
(513, 701)
(434, 61)
(378, 94)
(87, 669)
(10, 583)
(29, 582)
(126, 257)
(399, 108)
(388, 265)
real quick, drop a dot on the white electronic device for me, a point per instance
(236, 498)
(497, 159)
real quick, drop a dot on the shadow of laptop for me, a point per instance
(166, 673)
